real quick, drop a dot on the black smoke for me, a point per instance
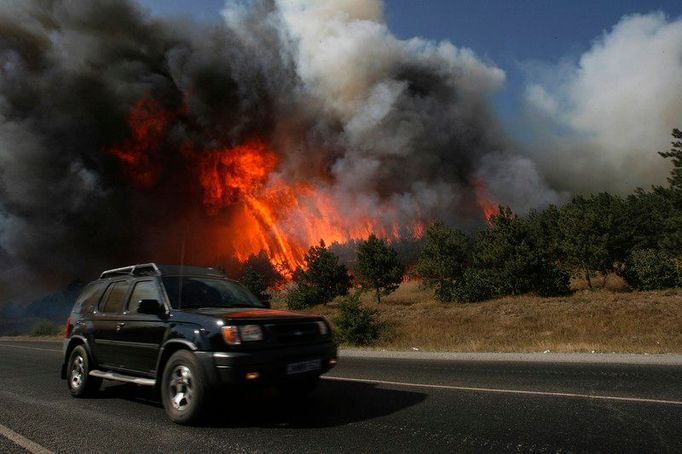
(374, 121)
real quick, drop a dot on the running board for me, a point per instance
(123, 378)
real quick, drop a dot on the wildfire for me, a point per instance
(259, 210)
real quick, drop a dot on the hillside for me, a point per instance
(601, 320)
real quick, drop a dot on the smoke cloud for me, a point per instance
(602, 119)
(377, 124)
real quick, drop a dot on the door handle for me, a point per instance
(119, 325)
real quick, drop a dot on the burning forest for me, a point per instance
(126, 138)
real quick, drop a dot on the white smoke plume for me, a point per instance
(602, 119)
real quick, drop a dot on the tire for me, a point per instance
(184, 389)
(78, 378)
(299, 389)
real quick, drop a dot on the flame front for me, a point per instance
(268, 214)
(255, 208)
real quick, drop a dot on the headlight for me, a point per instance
(251, 333)
(324, 329)
(235, 335)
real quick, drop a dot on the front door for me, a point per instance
(142, 334)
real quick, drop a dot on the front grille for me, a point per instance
(287, 333)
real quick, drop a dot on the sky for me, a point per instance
(515, 35)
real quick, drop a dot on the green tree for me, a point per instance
(651, 269)
(258, 274)
(255, 282)
(378, 267)
(443, 259)
(671, 239)
(323, 279)
(675, 153)
(544, 228)
(592, 233)
(519, 255)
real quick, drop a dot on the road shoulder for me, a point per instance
(595, 358)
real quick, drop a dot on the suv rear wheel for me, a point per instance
(80, 383)
(183, 389)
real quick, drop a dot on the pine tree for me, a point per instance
(323, 279)
(592, 232)
(443, 259)
(675, 153)
(255, 282)
(378, 267)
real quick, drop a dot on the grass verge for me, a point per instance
(601, 321)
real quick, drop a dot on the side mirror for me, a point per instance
(151, 307)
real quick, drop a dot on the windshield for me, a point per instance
(187, 292)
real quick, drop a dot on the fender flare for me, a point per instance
(74, 340)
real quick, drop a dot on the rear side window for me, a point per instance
(115, 298)
(144, 290)
(89, 297)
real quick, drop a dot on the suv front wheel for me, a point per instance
(183, 389)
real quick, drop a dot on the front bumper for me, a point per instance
(269, 367)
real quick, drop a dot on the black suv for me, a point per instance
(188, 331)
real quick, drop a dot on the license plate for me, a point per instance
(304, 366)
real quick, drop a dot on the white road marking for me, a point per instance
(507, 391)
(30, 446)
(31, 348)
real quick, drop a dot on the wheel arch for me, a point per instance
(74, 342)
(167, 351)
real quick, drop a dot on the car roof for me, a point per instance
(152, 269)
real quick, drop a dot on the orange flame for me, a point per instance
(270, 215)
(147, 122)
(488, 207)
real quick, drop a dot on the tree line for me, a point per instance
(639, 237)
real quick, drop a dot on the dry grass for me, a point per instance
(601, 320)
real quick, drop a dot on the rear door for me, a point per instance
(142, 334)
(107, 321)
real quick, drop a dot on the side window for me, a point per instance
(143, 290)
(89, 297)
(115, 298)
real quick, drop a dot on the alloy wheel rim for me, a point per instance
(77, 372)
(180, 387)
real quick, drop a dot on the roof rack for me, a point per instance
(143, 269)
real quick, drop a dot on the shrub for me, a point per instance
(302, 297)
(651, 269)
(45, 328)
(476, 285)
(355, 324)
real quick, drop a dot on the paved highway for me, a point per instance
(365, 405)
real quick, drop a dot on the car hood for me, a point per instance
(250, 313)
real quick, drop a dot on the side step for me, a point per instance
(123, 378)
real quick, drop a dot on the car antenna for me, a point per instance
(182, 272)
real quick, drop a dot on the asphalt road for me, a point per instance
(370, 405)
